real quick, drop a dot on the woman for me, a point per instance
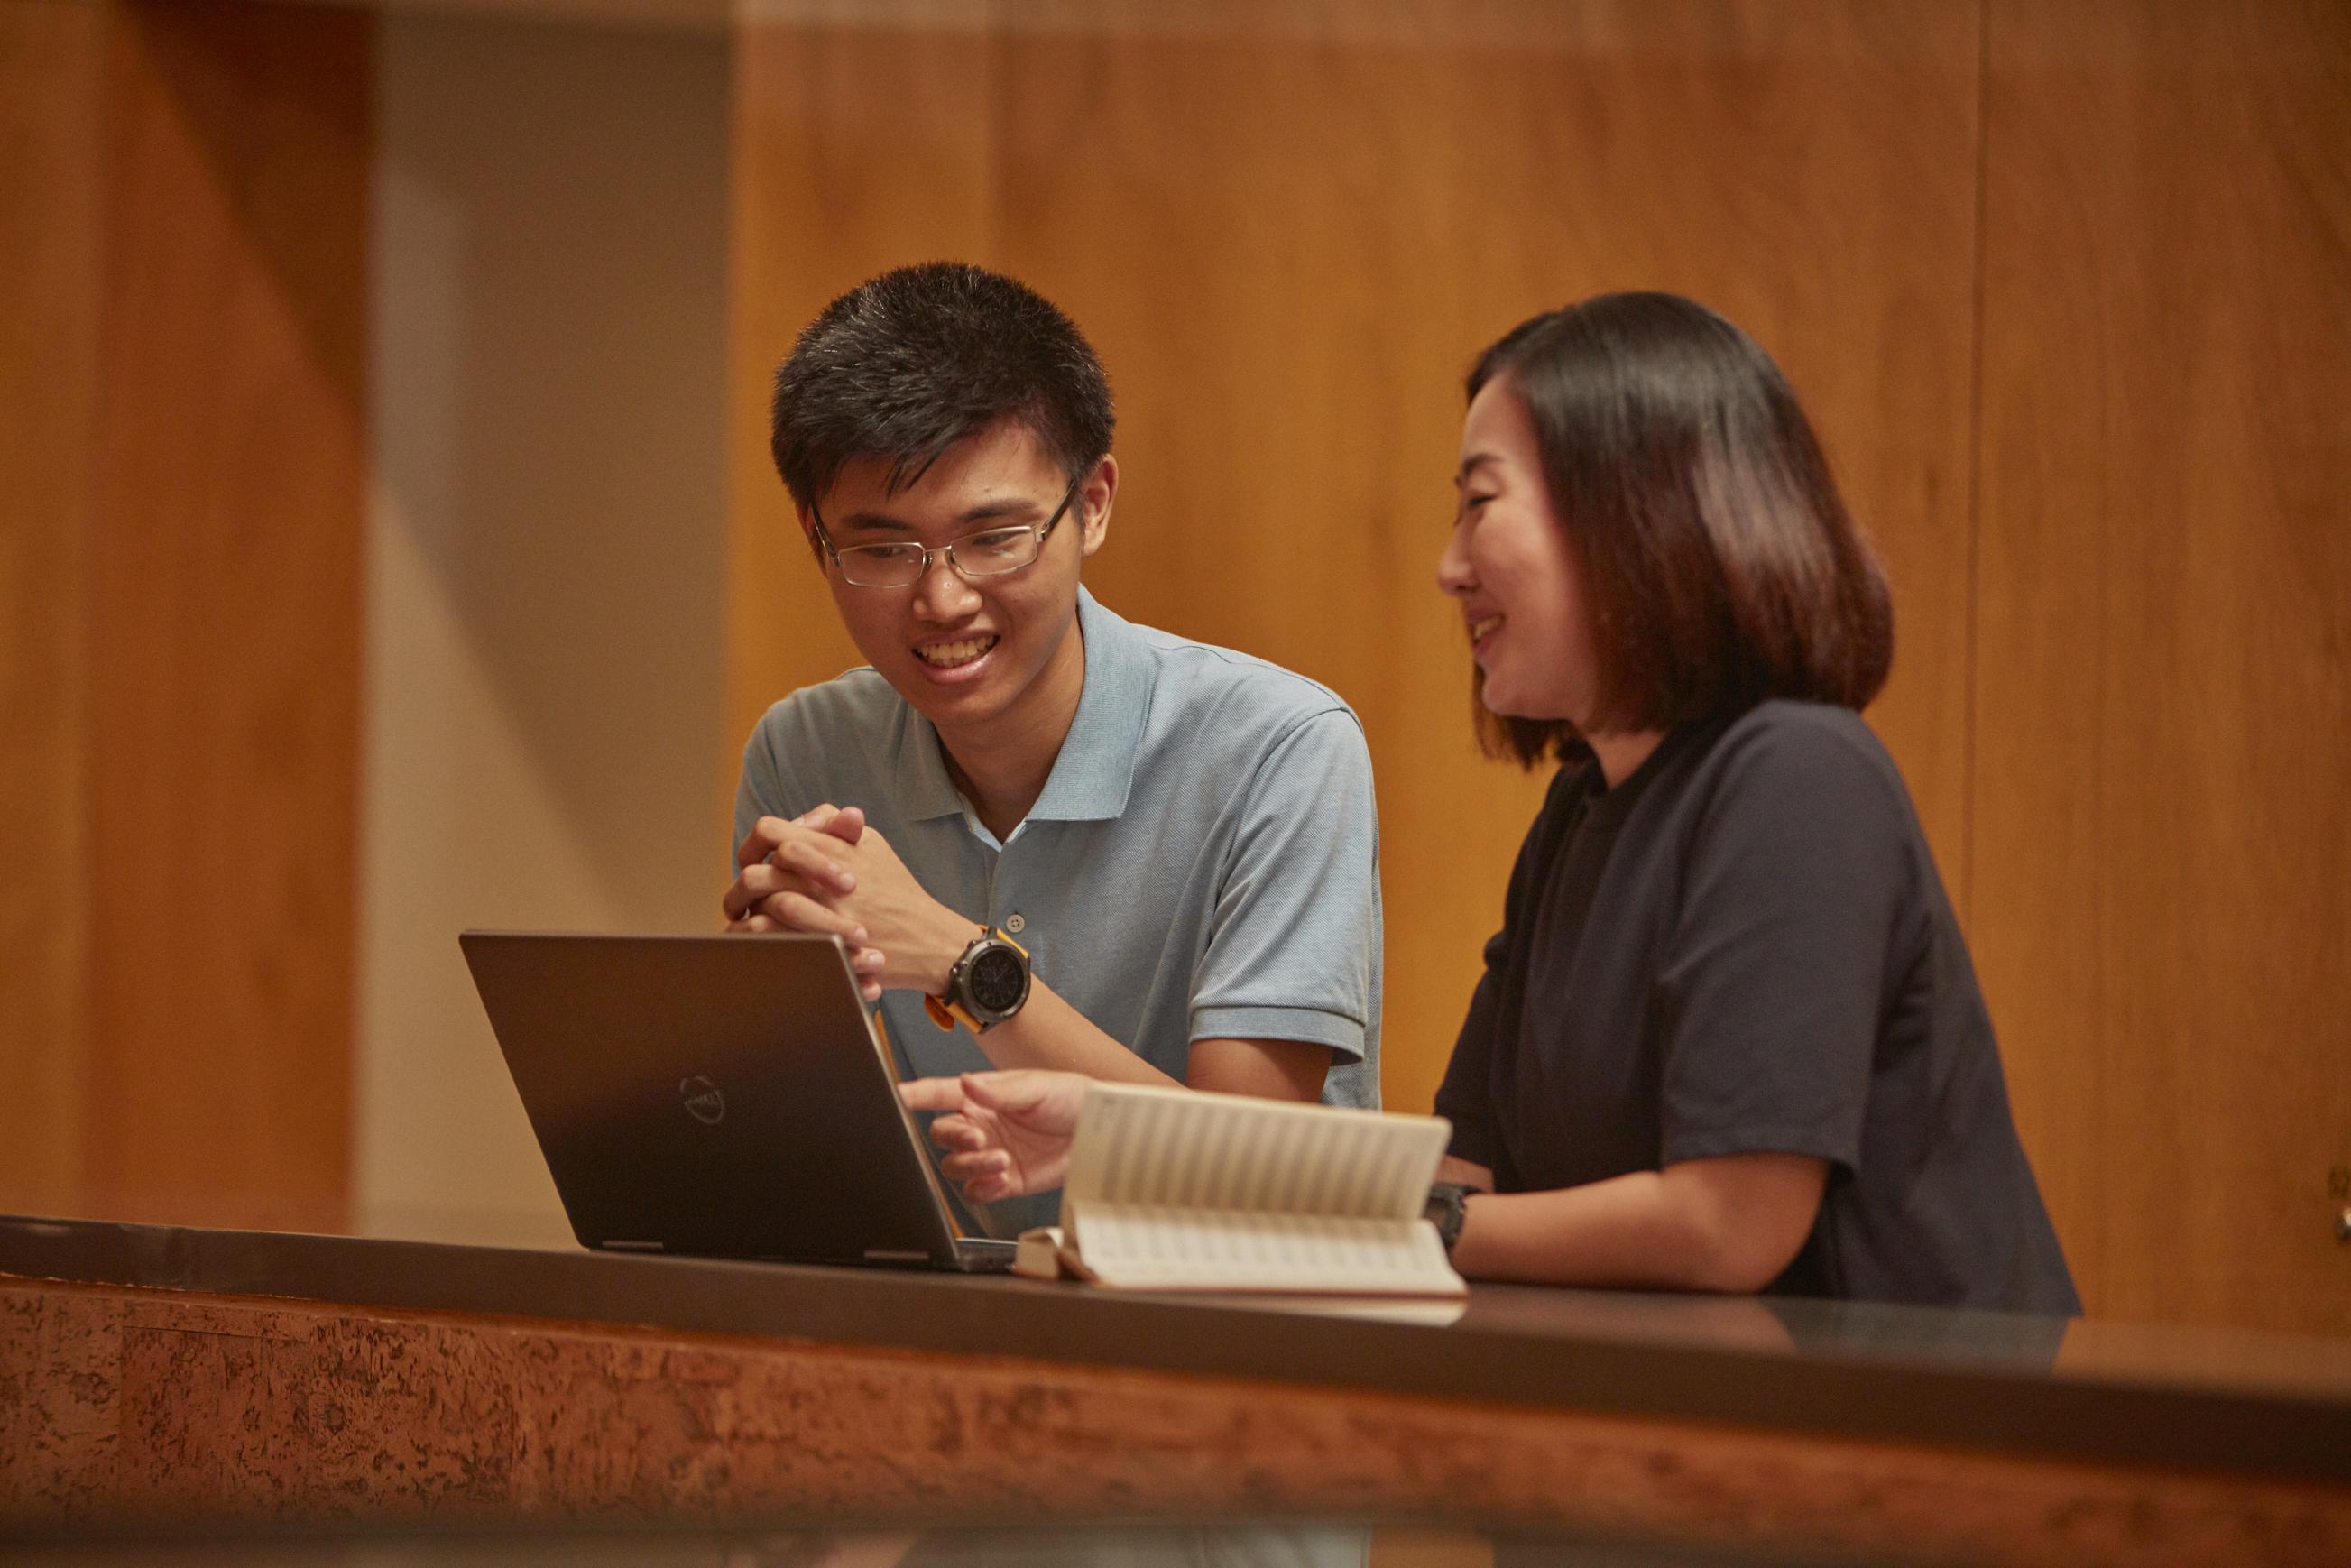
(1728, 1036)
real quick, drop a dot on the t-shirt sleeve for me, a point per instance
(1296, 926)
(760, 789)
(1465, 1097)
(1775, 972)
(767, 786)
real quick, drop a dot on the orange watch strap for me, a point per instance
(945, 1013)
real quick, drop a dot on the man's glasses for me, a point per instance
(991, 552)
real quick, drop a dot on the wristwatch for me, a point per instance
(1447, 1206)
(985, 987)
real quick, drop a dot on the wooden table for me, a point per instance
(167, 1375)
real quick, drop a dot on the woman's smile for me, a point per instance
(1510, 565)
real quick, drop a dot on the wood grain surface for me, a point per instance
(853, 152)
(50, 247)
(2064, 287)
(2065, 291)
(225, 677)
(1288, 232)
(2163, 714)
(145, 1408)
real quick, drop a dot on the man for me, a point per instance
(1053, 839)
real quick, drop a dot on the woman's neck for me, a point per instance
(1621, 755)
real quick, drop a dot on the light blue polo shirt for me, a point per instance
(1203, 863)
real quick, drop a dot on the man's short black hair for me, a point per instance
(903, 367)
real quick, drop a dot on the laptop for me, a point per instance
(724, 1096)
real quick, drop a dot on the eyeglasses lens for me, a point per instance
(988, 554)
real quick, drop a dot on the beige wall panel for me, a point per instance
(1288, 230)
(225, 679)
(2163, 879)
(544, 638)
(48, 347)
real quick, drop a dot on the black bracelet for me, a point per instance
(1447, 1206)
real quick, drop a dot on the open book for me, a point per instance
(1171, 1189)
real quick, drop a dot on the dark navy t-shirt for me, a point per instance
(1744, 947)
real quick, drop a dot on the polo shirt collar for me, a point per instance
(920, 779)
(1095, 767)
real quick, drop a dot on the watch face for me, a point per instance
(997, 980)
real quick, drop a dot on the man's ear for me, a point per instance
(1095, 495)
(808, 532)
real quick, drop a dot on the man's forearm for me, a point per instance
(1049, 1032)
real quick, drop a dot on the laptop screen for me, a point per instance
(724, 1095)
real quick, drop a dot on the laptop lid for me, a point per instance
(724, 1095)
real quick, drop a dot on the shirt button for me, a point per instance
(1014, 923)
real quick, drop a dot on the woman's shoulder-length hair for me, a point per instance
(1718, 565)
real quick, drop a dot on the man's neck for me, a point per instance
(1002, 768)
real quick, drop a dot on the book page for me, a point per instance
(1184, 1149)
(1151, 1247)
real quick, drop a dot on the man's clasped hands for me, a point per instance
(830, 872)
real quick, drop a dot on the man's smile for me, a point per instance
(963, 650)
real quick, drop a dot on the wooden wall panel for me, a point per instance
(1289, 228)
(48, 336)
(853, 152)
(224, 701)
(2163, 870)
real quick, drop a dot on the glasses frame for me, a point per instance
(931, 552)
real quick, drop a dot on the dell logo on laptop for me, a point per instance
(703, 1101)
